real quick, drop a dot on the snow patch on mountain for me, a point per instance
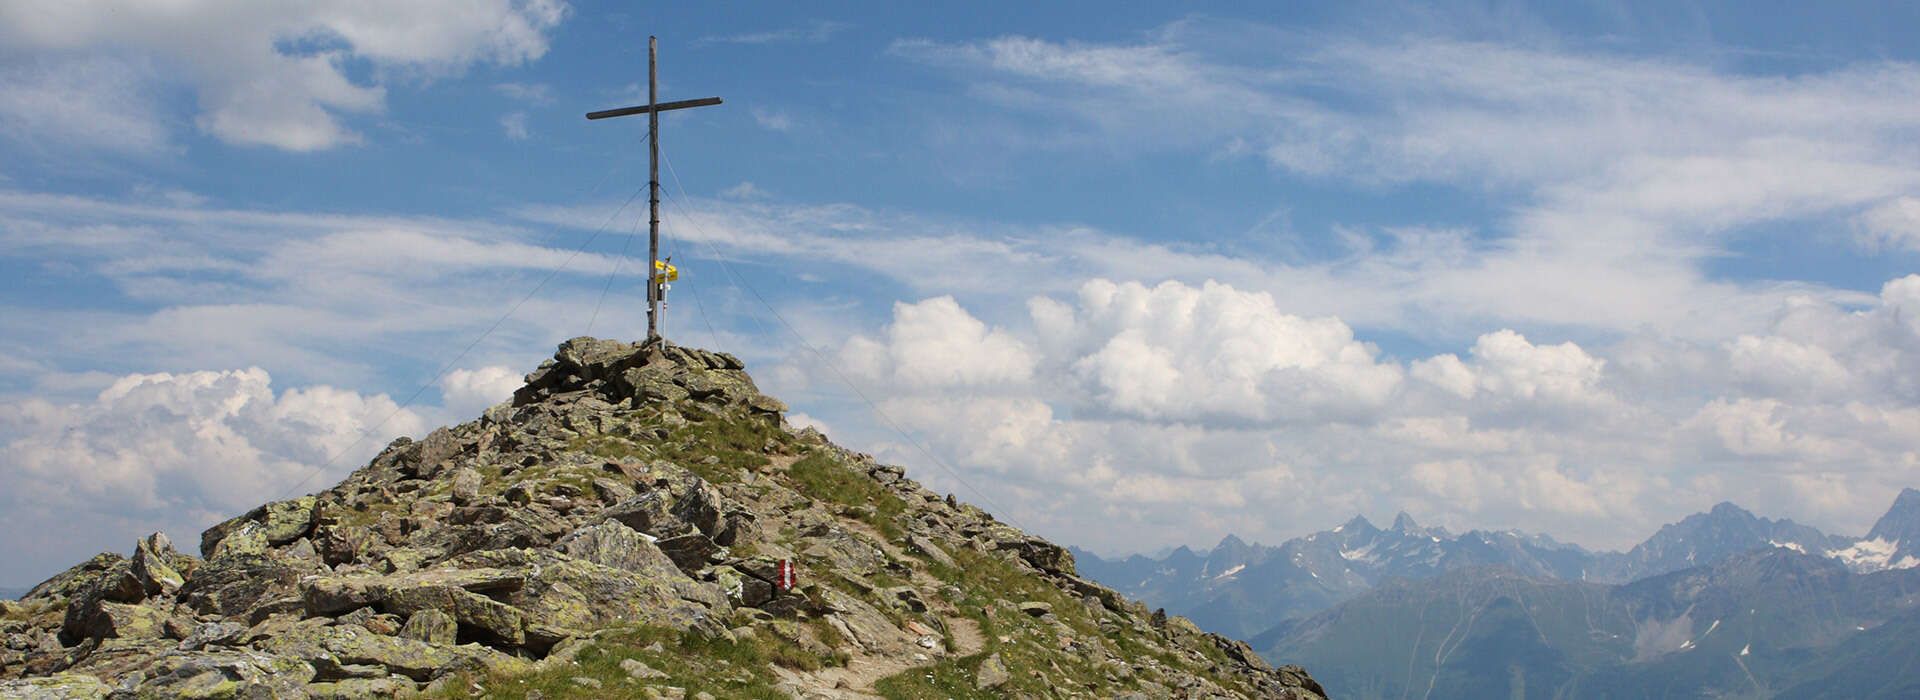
(1871, 555)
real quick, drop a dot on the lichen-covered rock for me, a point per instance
(432, 626)
(1043, 555)
(126, 620)
(570, 594)
(60, 686)
(236, 584)
(278, 523)
(154, 564)
(83, 619)
(991, 674)
(246, 538)
(614, 545)
(361, 688)
(742, 589)
(465, 489)
(331, 595)
(287, 521)
(224, 674)
(330, 650)
(492, 620)
(114, 658)
(68, 584)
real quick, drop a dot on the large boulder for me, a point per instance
(278, 523)
(617, 546)
(60, 686)
(235, 585)
(158, 567)
(332, 595)
(332, 650)
(70, 583)
(362, 688)
(578, 363)
(112, 620)
(228, 673)
(1043, 555)
(116, 584)
(676, 502)
(479, 617)
(432, 626)
(116, 658)
(565, 593)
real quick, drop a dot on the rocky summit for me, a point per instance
(617, 529)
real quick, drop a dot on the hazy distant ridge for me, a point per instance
(1242, 589)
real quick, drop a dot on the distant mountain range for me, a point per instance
(1722, 603)
(1241, 589)
(12, 593)
(1767, 623)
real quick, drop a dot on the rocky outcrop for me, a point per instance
(626, 492)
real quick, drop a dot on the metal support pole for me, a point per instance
(653, 178)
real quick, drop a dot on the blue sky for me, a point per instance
(1137, 276)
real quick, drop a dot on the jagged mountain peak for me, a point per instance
(1182, 554)
(1730, 510)
(1404, 523)
(1359, 524)
(640, 501)
(1901, 522)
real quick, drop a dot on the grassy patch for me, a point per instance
(821, 477)
(1033, 645)
(726, 669)
(734, 442)
(950, 679)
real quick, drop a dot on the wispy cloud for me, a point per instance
(1629, 175)
(290, 291)
(252, 89)
(94, 104)
(813, 32)
(515, 125)
(530, 93)
(772, 119)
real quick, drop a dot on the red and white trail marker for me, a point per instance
(785, 579)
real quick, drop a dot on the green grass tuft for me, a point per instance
(724, 668)
(821, 477)
(734, 441)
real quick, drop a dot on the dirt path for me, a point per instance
(966, 636)
(855, 681)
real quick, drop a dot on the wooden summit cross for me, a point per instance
(652, 109)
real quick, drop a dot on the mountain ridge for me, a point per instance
(638, 519)
(1764, 623)
(1313, 572)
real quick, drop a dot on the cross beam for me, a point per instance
(662, 107)
(655, 284)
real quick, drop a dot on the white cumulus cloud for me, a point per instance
(275, 73)
(935, 343)
(1178, 352)
(465, 393)
(174, 452)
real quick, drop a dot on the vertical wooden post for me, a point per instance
(653, 177)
